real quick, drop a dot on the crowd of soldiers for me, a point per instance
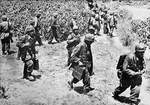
(80, 59)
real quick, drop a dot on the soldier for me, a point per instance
(19, 35)
(91, 22)
(54, 28)
(90, 4)
(73, 23)
(112, 22)
(37, 27)
(72, 41)
(133, 68)
(82, 63)
(28, 52)
(5, 35)
(105, 22)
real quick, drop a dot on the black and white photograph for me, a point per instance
(74, 52)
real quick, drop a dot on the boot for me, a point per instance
(87, 89)
(115, 96)
(70, 84)
(30, 77)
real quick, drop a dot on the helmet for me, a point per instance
(38, 15)
(140, 47)
(75, 27)
(29, 29)
(55, 15)
(89, 37)
(4, 18)
(32, 22)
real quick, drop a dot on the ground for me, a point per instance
(52, 87)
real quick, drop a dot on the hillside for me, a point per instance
(52, 87)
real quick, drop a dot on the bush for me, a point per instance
(20, 12)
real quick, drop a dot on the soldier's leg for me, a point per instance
(25, 71)
(28, 70)
(135, 89)
(50, 38)
(111, 31)
(86, 79)
(55, 35)
(7, 45)
(73, 81)
(3, 46)
(124, 84)
(19, 53)
(38, 38)
(69, 56)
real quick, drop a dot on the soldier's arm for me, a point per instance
(72, 39)
(75, 54)
(69, 39)
(36, 21)
(126, 68)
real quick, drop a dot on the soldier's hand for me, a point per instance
(142, 72)
(80, 63)
(12, 41)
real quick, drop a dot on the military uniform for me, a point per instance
(72, 41)
(27, 46)
(112, 24)
(105, 22)
(37, 27)
(54, 28)
(131, 76)
(5, 35)
(91, 23)
(82, 62)
(90, 4)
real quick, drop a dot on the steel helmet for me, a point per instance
(89, 37)
(140, 47)
(4, 18)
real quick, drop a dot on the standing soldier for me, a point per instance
(82, 63)
(98, 22)
(5, 35)
(132, 71)
(90, 4)
(72, 41)
(112, 22)
(54, 28)
(105, 22)
(92, 22)
(27, 52)
(73, 23)
(37, 27)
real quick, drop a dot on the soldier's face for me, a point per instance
(32, 33)
(75, 32)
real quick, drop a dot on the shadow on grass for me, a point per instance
(126, 100)
(123, 99)
(80, 90)
(12, 52)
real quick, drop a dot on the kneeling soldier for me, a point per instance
(132, 71)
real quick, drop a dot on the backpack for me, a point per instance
(120, 62)
(120, 65)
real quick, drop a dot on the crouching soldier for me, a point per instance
(82, 63)
(72, 41)
(132, 70)
(28, 52)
